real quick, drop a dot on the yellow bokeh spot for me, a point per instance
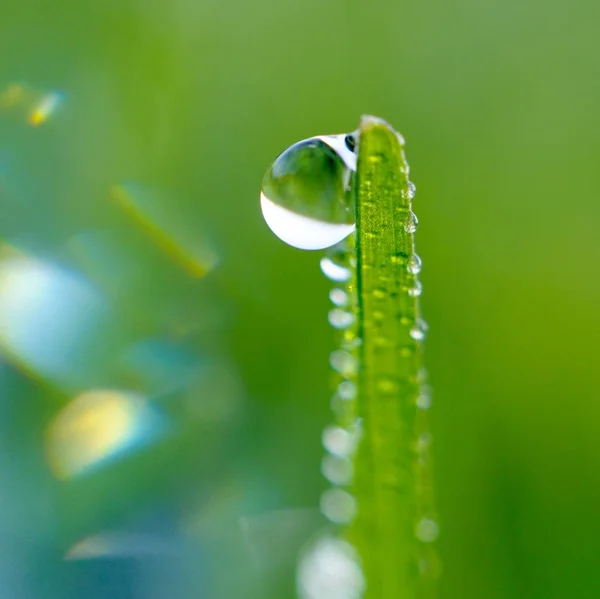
(96, 426)
(45, 108)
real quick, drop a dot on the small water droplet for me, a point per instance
(427, 530)
(423, 442)
(330, 570)
(414, 265)
(337, 470)
(339, 297)
(411, 223)
(338, 441)
(343, 362)
(424, 401)
(306, 198)
(411, 189)
(416, 289)
(338, 506)
(335, 272)
(347, 390)
(340, 408)
(417, 333)
(350, 343)
(340, 319)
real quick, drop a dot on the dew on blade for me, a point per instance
(330, 569)
(427, 530)
(337, 469)
(306, 197)
(338, 506)
(411, 223)
(339, 297)
(414, 265)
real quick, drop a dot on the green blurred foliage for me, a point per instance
(498, 102)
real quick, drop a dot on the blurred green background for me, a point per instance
(141, 170)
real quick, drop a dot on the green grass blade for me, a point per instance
(395, 523)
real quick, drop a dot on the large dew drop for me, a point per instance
(306, 194)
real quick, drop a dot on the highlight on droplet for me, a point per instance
(157, 214)
(45, 107)
(98, 427)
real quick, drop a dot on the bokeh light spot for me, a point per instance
(97, 427)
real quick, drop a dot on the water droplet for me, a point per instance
(350, 343)
(411, 223)
(417, 333)
(337, 470)
(339, 297)
(424, 401)
(338, 441)
(330, 570)
(306, 198)
(423, 442)
(338, 506)
(414, 265)
(416, 289)
(343, 362)
(347, 390)
(340, 319)
(335, 272)
(409, 192)
(427, 530)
